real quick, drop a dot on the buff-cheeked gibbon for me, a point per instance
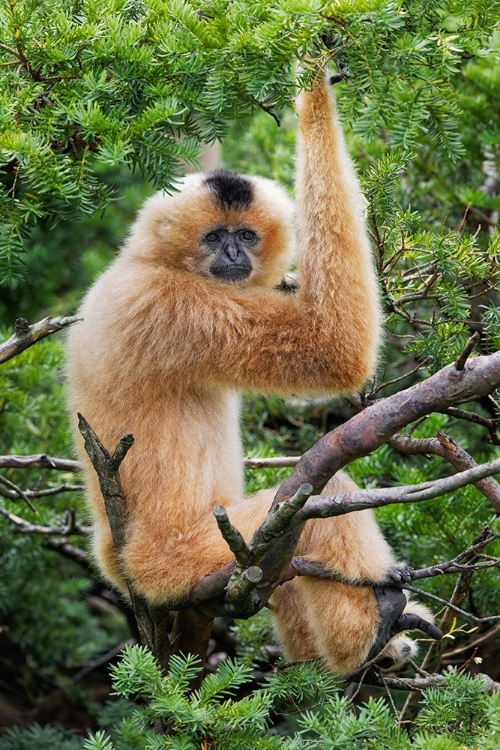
(185, 319)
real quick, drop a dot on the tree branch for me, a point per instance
(431, 680)
(435, 651)
(325, 506)
(39, 461)
(374, 426)
(26, 335)
(467, 351)
(25, 527)
(190, 630)
(244, 586)
(491, 424)
(42, 461)
(444, 446)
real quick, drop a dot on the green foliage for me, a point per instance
(458, 716)
(459, 711)
(95, 84)
(41, 738)
(210, 714)
(254, 636)
(106, 99)
(32, 408)
(33, 414)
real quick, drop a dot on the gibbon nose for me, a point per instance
(231, 251)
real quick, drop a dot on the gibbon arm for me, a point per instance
(327, 337)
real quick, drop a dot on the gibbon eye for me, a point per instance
(249, 235)
(212, 237)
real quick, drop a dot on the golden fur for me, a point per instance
(165, 349)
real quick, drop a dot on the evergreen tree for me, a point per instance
(105, 97)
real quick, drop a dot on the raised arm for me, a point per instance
(326, 338)
(241, 333)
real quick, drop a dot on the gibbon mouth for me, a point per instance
(231, 273)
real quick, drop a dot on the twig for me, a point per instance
(275, 462)
(325, 506)
(389, 695)
(101, 660)
(417, 684)
(269, 108)
(12, 494)
(434, 654)
(445, 447)
(39, 461)
(16, 492)
(399, 379)
(449, 604)
(417, 669)
(26, 335)
(68, 550)
(234, 539)
(476, 642)
(470, 416)
(42, 461)
(467, 350)
(25, 527)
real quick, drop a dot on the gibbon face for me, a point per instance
(224, 227)
(231, 251)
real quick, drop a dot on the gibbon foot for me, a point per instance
(399, 574)
(412, 621)
(335, 79)
(391, 604)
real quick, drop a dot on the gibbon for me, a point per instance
(185, 319)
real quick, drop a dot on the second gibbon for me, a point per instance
(185, 319)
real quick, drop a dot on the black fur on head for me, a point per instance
(231, 190)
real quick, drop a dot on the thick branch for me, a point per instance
(190, 629)
(274, 541)
(106, 466)
(245, 587)
(375, 425)
(26, 335)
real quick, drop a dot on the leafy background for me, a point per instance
(101, 103)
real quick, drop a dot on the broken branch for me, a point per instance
(26, 335)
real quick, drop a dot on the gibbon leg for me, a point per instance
(291, 623)
(336, 621)
(314, 617)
